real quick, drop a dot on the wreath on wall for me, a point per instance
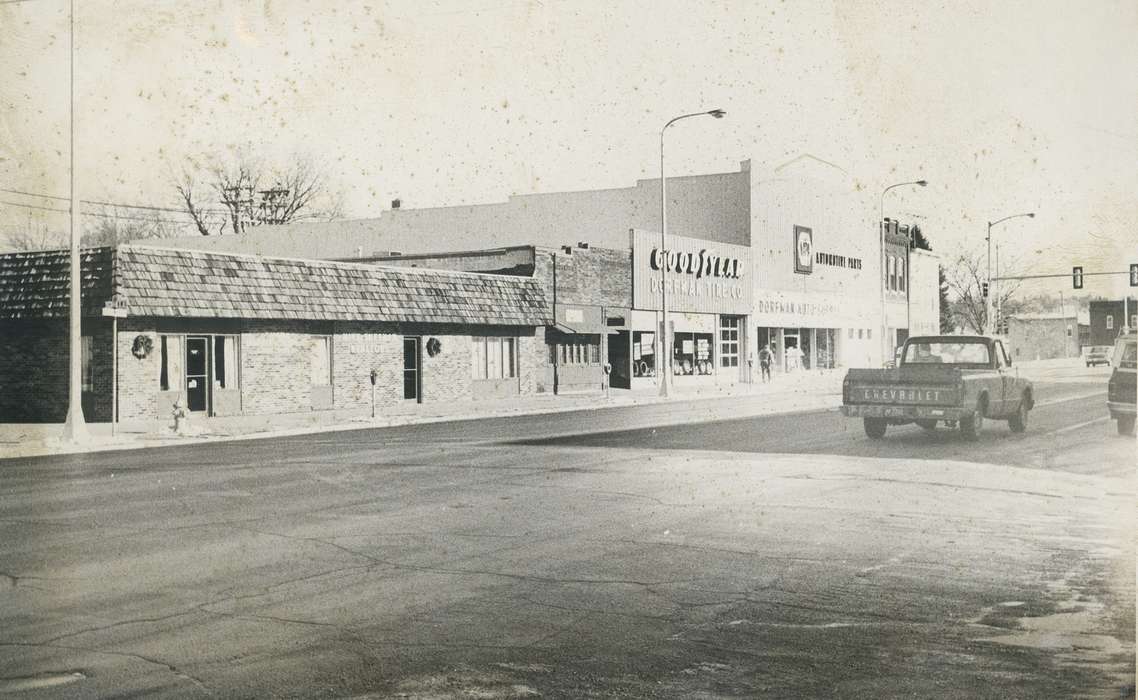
(434, 347)
(142, 346)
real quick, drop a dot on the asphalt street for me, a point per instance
(690, 549)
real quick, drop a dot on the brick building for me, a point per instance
(244, 335)
(606, 308)
(1108, 318)
(1042, 336)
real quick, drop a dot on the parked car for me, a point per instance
(1120, 390)
(954, 379)
(1095, 355)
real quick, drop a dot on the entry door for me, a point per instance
(412, 379)
(197, 373)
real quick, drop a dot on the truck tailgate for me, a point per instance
(914, 386)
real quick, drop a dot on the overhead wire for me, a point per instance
(107, 204)
(99, 214)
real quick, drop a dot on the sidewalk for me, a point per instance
(784, 394)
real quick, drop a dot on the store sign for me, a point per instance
(837, 261)
(803, 250)
(701, 264)
(365, 348)
(691, 274)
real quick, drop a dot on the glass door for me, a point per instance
(412, 381)
(197, 373)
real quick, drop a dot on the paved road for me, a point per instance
(694, 561)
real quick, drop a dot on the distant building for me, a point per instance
(1108, 318)
(1043, 336)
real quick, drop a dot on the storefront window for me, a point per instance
(86, 348)
(643, 354)
(729, 341)
(225, 361)
(691, 354)
(171, 373)
(494, 358)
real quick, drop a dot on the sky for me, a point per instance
(1004, 107)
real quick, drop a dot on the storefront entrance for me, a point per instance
(619, 360)
(197, 373)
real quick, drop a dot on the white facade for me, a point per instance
(830, 309)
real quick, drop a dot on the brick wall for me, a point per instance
(34, 371)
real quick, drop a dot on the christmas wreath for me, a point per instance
(142, 346)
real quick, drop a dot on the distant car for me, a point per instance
(1120, 390)
(1095, 355)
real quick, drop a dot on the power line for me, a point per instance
(105, 204)
(100, 214)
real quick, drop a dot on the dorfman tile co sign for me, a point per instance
(695, 275)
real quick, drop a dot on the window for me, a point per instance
(171, 372)
(891, 273)
(860, 333)
(321, 360)
(1134, 321)
(691, 353)
(851, 334)
(225, 361)
(728, 341)
(87, 348)
(643, 354)
(901, 274)
(1110, 323)
(495, 358)
(869, 333)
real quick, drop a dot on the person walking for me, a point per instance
(765, 358)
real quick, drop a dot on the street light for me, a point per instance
(988, 239)
(75, 427)
(665, 367)
(881, 281)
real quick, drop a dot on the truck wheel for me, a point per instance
(1125, 425)
(1018, 422)
(970, 427)
(929, 425)
(875, 428)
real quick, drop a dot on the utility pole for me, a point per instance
(75, 427)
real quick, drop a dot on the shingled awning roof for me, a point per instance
(174, 283)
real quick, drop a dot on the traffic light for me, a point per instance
(1134, 275)
(1077, 277)
(984, 289)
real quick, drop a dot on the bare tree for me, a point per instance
(965, 279)
(251, 194)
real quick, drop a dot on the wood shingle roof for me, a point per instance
(173, 283)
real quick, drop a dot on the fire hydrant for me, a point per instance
(181, 417)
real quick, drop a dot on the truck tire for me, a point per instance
(1125, 425)
(929, 425)
(971, 426)
(1018, 421)
(875, 427)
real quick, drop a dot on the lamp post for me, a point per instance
(665, 368)
(74, 428)
(882, 280)
(988, 326)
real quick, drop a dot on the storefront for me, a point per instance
(813, 331)
(228, 335)
(706, 287)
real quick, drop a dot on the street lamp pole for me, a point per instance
(74, 428)
(988, 326)
(881, 243)
(664, 365)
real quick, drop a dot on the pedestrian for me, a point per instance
(765, 357)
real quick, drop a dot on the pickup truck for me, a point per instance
(954, 379)
(1120, 390)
